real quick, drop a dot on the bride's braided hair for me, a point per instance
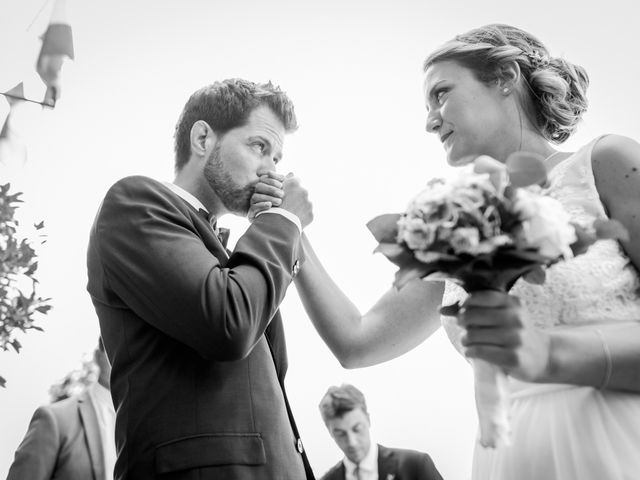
(556, 87)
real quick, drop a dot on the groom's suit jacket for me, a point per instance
(194, 338)
(63, 441)
(395, 464)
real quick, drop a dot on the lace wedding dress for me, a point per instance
(560, 431)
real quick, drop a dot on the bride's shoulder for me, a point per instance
(615, 149)
(616, 161)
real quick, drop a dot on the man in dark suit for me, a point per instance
(70, 439)
(193, 331)
(344, 411)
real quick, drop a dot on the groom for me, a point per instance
(192, 330)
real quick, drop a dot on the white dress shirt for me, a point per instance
(197, 204)
(103, 405)
(186, 196)
(368, 465)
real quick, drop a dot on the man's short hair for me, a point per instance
(226, 105)
(341, 400)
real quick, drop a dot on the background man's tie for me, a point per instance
(357, 473)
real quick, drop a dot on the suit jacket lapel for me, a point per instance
(387, 464)
(92, 434)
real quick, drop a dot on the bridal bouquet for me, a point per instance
(484, 229)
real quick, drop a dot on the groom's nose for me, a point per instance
(268, 164)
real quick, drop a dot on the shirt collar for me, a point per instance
(186, 196)
(369, 463)
(101, 395)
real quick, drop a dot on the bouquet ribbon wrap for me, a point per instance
(492, 404)
(491, 389)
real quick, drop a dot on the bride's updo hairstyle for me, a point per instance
(554, 91)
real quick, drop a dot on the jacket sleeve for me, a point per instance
(152, 257)
(430, 470)
(37, 454)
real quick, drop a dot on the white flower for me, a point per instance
(465, 240)
(545, 224)
(417, 234)
(437, 191)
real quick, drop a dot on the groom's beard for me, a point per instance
(236, 198)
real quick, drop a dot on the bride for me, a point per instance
(571, 346)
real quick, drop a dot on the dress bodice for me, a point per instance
(599, 286)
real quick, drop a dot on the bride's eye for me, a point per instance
(440, 95)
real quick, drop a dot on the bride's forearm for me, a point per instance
(606, 357)
(398, 322)
(334, 316)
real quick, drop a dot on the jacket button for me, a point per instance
(299, 446)
(296, 268)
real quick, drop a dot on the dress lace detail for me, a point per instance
(599, 286)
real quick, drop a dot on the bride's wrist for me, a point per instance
(571, 359)
(552, 370)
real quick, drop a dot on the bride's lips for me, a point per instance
(444, 137)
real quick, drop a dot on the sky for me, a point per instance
(353, 70)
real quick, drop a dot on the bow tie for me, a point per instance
(221, 233)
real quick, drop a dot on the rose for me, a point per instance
(546, 226)
(417, 234)
(465, 240)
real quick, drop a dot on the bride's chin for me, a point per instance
(460, 161)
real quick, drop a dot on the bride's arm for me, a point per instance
(399, 321)
(616, 168)
(616, 165)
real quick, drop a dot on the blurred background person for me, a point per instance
(73, 437)
(344, 411)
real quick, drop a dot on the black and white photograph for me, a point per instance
(304, 240)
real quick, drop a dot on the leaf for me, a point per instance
(450, 310)
(410, 272)
(520, 256)
(536, 275)
(584, 239)
(497, 171)
(385, 227)
(389, 250)
(32, 269)
(16, 345)
(526, 168)
(612, 229)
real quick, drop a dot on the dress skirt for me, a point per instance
(566, 432)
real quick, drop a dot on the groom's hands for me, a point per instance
(498, 331)
(276, 190)
(268, 193)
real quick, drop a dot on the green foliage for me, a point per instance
(18, 265)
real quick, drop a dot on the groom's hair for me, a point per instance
(340, 400)
(226, 105)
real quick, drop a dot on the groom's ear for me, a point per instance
(202, 138)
